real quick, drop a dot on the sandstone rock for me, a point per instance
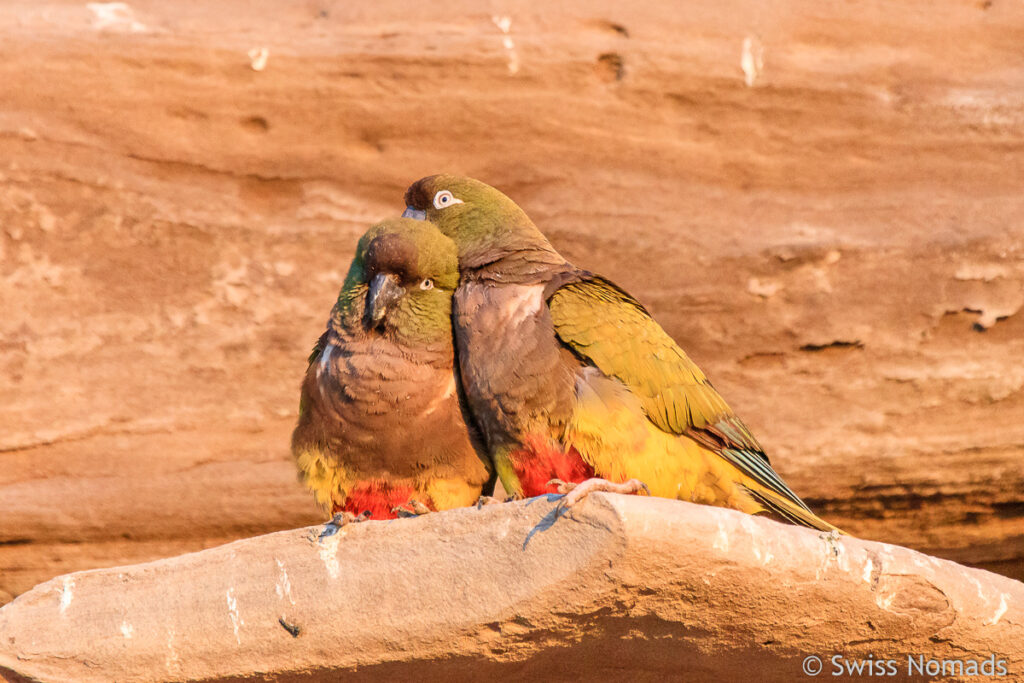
(821, 203)
(622, 588)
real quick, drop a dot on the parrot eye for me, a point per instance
(427, 284)
(445, 198)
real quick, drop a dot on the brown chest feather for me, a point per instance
(516, 374)
(384, 411)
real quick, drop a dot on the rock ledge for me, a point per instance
(621, 588)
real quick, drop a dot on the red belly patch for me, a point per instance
(538, 461)
(379, 497)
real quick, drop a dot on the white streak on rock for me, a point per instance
(721, 539)
(114, 15)
(284, 586)
(981, 596)
(66, 594)
(751, 59)
(236, 619)
(504, 25)
(757, 543)
(1000, 611)
(171, 661)
(127, 629)
(258, 57)
(329, 554)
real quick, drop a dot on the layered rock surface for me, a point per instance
(822, 203)
(620, 588)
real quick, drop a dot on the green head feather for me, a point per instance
(400, 284)
(484, 223)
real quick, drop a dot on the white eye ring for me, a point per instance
(444, 198)
(427, 284)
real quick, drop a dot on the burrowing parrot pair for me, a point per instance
(557, 380)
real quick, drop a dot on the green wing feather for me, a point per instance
(611, 330)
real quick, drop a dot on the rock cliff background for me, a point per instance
(822, 202)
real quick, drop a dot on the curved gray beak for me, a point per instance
(384, 292)
(414, 213)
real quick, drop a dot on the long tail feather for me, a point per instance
(786, 509)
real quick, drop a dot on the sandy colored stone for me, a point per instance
(821, 203)
(623, 588)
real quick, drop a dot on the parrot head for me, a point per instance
(483, 222)
(401, 282)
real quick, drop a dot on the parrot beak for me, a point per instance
(384, 292)
(418, 214)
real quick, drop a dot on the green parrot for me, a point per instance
(573, 384)
(381, 424)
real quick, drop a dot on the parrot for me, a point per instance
(573, 384)
(381, 426)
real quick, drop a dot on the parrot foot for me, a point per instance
(341, 519)
(417, 509)
(491, 500)
(574, 493)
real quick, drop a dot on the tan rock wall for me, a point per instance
(826, 241)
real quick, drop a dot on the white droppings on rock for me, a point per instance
(172, 661)
(66, 594)
(329, 554)
(1000, 611)
(866, 574)
(117, 16)
(721, 539)
(977, 584)
(504, 25)
(236, 619)
(258, 57)
(757, 544)
(751, 59)
(505, 525)
(127, 630)
(284, 586)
